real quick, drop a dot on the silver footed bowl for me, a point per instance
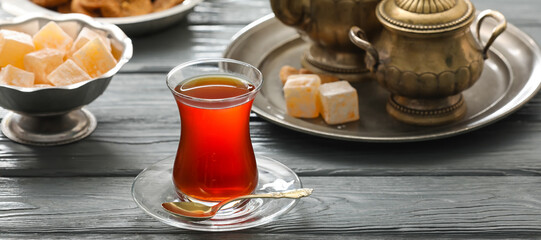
(55, 115)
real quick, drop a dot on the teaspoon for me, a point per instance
(197, 211)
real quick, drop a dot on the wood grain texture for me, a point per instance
(339, 205)
(264, 236)
(205, 34)
(139, 125)
(482, 185)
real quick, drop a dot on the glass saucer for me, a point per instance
(154, 186)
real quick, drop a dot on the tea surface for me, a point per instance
(214, 87)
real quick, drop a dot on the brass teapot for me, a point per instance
(325, 24)
(426, 55)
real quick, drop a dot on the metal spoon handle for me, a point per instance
(296, 193)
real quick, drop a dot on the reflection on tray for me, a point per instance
(510, 78)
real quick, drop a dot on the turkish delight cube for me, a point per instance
(68, 73)
(94, 58)
(52, 36)
(324, 77)
(13, 46)
(11, 75)
(287, 71)
(72, 28)
(339, 102)
(86, 35)
(43, 62)
(301, 95)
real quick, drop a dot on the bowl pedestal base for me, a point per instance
(49, 130)
(427, 112)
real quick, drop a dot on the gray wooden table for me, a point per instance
(484, 184)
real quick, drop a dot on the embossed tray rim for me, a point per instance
(279, 35)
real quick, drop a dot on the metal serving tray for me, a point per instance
(511, 77)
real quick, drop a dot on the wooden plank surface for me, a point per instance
(484, 184)
(339, 205)
(136, 130)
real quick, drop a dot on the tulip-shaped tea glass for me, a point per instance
(215, 159)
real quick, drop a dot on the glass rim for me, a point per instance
(257, 86)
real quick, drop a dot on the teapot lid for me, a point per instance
(425, 16)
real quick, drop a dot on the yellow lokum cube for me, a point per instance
(301, 95)
(68, 73)
(86, 35)
(13, 46)
(94, 58)
(43, 62)
(52, 36)
(11, 75)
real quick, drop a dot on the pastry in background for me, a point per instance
(108, 8)
(160, 5)
(50, 3)
(287, 70)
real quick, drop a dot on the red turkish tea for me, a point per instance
(215, 159)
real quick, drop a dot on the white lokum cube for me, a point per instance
(339, 102)
(301, 95)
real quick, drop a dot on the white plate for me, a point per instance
(136, 25)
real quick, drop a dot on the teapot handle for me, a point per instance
(495, 32)
(358, 37)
